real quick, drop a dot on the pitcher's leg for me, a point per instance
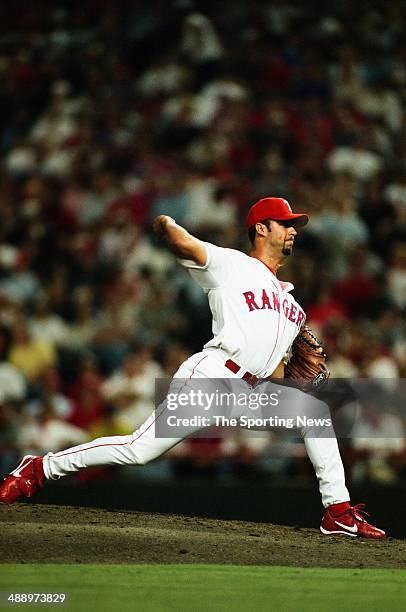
(325, 457)
(137, 448)
(320, 441)
(322, 449)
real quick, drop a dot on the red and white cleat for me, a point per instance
(25, 480)
(350, 523)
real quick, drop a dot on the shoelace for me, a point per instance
(358, 509)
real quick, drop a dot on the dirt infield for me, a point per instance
(33, 533)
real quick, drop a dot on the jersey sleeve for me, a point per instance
(217, 270)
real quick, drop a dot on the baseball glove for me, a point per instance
(306, 366)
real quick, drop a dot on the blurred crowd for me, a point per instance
(114, 112)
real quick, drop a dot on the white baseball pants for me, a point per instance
(142, 446)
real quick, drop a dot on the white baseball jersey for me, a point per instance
(255, 317)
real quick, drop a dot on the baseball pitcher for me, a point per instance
(256, 321)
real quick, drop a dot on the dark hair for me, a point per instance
(252, 232)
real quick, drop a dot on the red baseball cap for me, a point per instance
(274, 208)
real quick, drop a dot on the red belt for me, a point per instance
(251, 379)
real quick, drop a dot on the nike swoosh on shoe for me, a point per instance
(353, 529)
(24, 462)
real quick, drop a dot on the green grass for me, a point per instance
(198, 588)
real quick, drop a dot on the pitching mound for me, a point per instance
(58, 534)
